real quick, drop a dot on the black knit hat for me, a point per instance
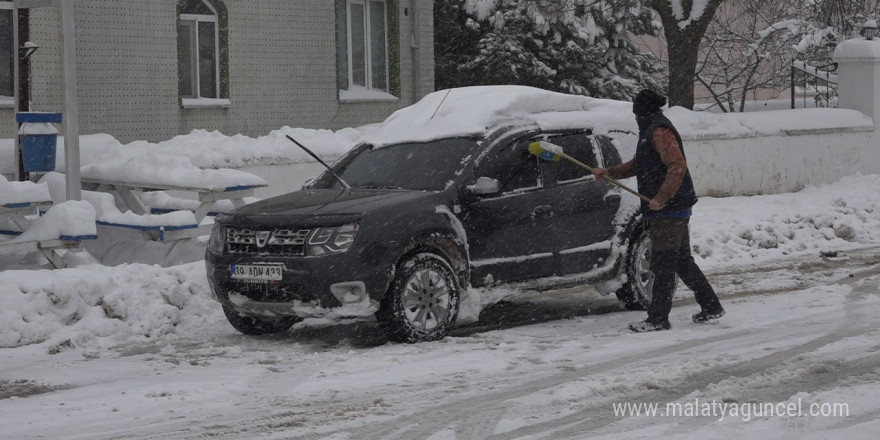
(647, 102)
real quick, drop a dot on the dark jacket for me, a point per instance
(651, 172)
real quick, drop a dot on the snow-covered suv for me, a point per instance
(402, 227)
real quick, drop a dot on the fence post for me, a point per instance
(858, 73)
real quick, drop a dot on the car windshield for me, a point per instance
(414, 166)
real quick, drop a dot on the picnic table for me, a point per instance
(210, 187)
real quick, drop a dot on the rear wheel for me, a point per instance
(253, 326)
(636, 291)
(422, 302)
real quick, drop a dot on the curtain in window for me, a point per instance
(358, 45)
(7, 54)
(187, 69)
(207, 60)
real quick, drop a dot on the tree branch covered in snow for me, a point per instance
(573, 46)
(751, 45)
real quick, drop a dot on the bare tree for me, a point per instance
(751, 44)
(684, 24)
(749, 49)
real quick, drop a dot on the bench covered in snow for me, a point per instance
(63, 226)
(125, 191)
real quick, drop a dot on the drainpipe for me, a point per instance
(416, 51)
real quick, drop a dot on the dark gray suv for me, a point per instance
(405, 229)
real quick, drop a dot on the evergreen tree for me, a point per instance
(572, 46)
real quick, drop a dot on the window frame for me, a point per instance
(368, 44)
(349, 91)
(221, 80)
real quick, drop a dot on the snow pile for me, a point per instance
(207, 149)
(816, 220)
(94, 305)
(766, 123)
(72, 307)
(22, 192)
(212, 149)
(161, 169)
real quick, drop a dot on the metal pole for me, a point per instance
(792, 87)
(16, 71)
(71, 119)
(23, 103)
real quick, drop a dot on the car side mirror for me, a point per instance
(485, 186)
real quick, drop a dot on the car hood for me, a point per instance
(322, 205)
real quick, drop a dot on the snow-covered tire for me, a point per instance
(422, 302)
(636, 291)
(254, 326)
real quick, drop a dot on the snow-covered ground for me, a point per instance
(139, 351)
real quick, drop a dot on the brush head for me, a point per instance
(545, 150)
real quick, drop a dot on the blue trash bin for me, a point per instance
(38, 151)
(38, 139)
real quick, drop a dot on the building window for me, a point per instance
(367, 59)
(366, 37)
(7, 51)
(201, 50)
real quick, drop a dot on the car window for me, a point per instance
(610, 155)
(579, 146)
(416, 166)
(513, 166)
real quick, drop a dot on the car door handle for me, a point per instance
(611, 198)
(542, 211)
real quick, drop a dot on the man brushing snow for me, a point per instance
(662, 175)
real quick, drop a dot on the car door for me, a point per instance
(510, 233)
(584, 208)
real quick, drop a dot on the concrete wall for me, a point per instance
(282, 68)
(779, 164)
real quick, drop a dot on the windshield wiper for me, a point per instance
(378, 186)
(345, 185)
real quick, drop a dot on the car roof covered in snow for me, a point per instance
(472, 111)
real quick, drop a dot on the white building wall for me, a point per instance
(282, 68)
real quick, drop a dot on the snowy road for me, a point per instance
(800, 335)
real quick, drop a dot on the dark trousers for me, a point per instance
(671, 256)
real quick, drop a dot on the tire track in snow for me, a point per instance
(586, 420)
(469, 411)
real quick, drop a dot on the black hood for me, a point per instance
(321, 206)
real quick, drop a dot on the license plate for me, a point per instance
(256, 272)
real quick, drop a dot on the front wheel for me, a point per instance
(253, 326)
(636, 291)
(422, 303)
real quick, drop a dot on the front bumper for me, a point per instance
(345, 284)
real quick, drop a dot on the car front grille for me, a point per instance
(285, 242)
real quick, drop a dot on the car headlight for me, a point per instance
(332, 240)
(218, 239)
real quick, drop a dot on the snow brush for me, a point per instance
(551, 152)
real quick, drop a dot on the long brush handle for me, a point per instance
(614, 181)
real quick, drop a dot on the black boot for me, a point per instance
(708, 315)
(649, 326)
